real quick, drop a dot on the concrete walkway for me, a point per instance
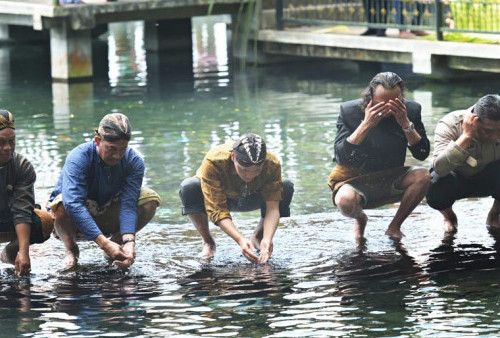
(70, 25)
(425, 55)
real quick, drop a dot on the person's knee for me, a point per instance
(347, 203)
(190, 187)
(288, 189)
(422, 177)
(148, 209)
(441, 192)
(59, 212)
(437, 199)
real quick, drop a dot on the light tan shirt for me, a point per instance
(448, 156)
(219, 181)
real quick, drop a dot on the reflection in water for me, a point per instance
(318, 283)
(461, 293)
(5, 77)
(128, 70)
(70, 100)
(357, 292)
(210, 52)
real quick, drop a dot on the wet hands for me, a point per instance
(248, 250)
(266, 250)
(129, 249)
(397, 108)
(121, 256)
(22, 264)
(374, 113)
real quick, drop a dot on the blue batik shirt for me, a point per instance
(85, 176)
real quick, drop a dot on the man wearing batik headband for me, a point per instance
(20, 223)
(99, 194)
(238, 176)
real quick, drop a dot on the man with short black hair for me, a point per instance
(99, 194)
(238, 176)
(467, 160)
(20, 223)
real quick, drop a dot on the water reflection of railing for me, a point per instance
(437, 15)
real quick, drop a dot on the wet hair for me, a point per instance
(249, 150)
(114, 127)
(388, 80)
(488, 107)
(6, 119)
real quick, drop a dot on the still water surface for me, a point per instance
(319, 282)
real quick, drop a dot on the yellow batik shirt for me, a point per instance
(219, 182)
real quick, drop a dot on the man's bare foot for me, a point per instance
(360, 244)
(208, 250)
(71, 257)
(450, 225)
(394, 233)
(360, 225)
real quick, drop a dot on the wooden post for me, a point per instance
(70, 53)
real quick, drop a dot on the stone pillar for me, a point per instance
(71, 53)
(151, 39)
(4, 32)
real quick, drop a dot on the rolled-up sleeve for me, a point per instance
(74, 192)
(130, 196)
(213, 192)
(24, 195)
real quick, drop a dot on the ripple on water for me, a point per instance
(379, 288)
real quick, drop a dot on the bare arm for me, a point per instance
(247, 248)
(23, 263)
(271, 221)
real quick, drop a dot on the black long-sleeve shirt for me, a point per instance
(384, 146)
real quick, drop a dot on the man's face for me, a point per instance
(247, 174)
(111, 152)
(385, 95)
(7, 144)
(488, 131)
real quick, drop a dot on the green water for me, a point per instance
(319, 281)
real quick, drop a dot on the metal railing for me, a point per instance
(436, 15)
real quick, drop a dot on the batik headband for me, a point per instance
(114, 127)
(250, 149)
(6, 119)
